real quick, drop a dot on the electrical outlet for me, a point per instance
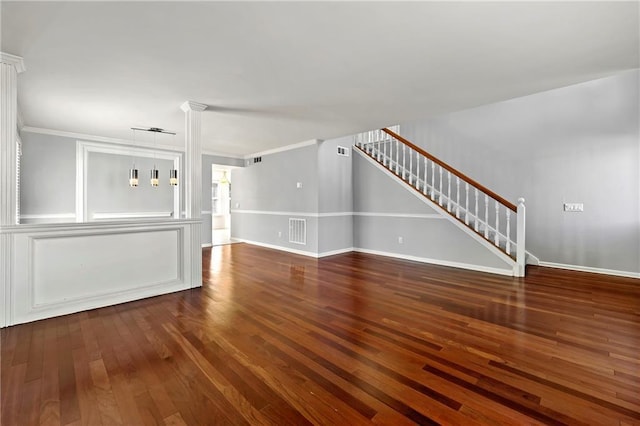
(573, 207)
(400, 240)
(279, 234)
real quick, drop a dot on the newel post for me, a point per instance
(520, 239)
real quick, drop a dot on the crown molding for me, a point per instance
(223, 154)
(283, 148)
(75, 136)
(16, 61)
(192, 106)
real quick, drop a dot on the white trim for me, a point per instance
(438, 209)
(94, 138)
(92, 226)
(335, 252)
(49, 216)
(130, 215)
(283, 148)
(275, 247)
(468, 266)
(16, 61)
(206, 245)
(401, 215)
(206, 212)
(226, 155)
(298, 214)
(337, 214)
(83, 148)
(193, 106)
(591, 269)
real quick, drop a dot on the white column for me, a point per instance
(193, 183)
(10, 67)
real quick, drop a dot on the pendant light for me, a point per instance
(133, 172)
(154, 172)
(224, 179)
(173, 173)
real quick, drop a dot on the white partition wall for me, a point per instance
(64, 268)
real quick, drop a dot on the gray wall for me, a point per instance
(380, 208)
(109, 191)
(48, 175)
(575, 144)
(48, 181)
(269, 187)
(335, 196)
(325, 200)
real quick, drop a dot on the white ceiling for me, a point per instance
(278, 73)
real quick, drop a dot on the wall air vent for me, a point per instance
(343, 151)
(298, 231)
(257, 160)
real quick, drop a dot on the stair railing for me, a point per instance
(477, 207)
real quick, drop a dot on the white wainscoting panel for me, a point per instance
(61, 269)
(103, 263)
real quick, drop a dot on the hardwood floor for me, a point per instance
(275, 338)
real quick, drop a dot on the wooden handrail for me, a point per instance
(447, 167)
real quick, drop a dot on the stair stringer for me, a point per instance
(437, 208)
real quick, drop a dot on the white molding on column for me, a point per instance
(193, 183)
(10, 67)
(16, 61)
(193, 106)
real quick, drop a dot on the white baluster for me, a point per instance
(508, 231)
(486, 216)
(379, 149)
(384, 157)
(476, 218)
(397, 158)
(417, 170)
(433, 180)
(424, 188)
(404, 155)
(448, 190)
(440, 186)
(410, 166)
(466, 203)
(457, 197)
(497, 239)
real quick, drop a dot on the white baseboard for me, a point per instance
(275, 247)
(335, 252)
(205, 245)
(579, 268)
(295, 251)
(468, 266)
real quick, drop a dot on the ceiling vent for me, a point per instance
(343, 151)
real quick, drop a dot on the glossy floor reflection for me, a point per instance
(276, 338)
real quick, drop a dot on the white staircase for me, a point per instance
(489, 218)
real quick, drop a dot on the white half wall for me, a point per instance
(61, 269)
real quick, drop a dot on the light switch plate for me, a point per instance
(573, 207)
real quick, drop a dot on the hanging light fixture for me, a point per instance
(154, 172)
(224, 179)
(133, 172)
(173, 173)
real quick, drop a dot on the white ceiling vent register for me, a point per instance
(298, 231)
(343, 151)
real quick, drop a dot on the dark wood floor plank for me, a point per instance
(276, 338)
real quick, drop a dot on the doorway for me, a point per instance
(220, 205)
